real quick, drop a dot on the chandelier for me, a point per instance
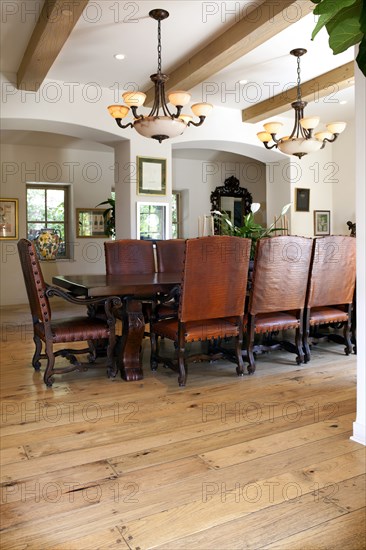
(160, 123)
(302, 139)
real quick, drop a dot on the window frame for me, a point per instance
(65, 222)
(178, 223)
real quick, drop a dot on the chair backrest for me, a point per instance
(170, 255)
(128, 257)
(215, 277)
(34, 282)
(333, 271)
(280, 275)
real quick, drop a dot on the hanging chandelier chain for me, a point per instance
(298, 80)
(159, 47)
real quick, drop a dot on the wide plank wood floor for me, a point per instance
(259, 462)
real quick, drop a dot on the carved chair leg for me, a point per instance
(92, 355)
(239, 357)
(37, 353)
(181, 363)
(182, 371)
(111, 357)
(154, 352)
(48, 380)
(347, 337)
(298, 341)
(250, 344)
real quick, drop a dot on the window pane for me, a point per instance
(36, 204)
(174, 231)
(152, 222)
(33, 229)
(55, 205)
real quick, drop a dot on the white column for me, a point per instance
(359, 426)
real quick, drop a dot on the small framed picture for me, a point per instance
(302, 200)
(321, 222)
(151, 176)
(90, 223)
(9, 219)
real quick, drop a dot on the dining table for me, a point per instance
(132, 289)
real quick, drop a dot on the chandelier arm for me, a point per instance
(164, 106)
(274, 139)
(179, 110)
(332, 139)
(134, 112)
(265, 143)
(156, 105)
(202, 120)
(123, 126)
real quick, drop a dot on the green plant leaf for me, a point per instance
(327, 9)
(344, 29)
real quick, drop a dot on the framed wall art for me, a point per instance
(302, 200)
(151, 176)
(9, 219)
(90, 223)
(321, 222)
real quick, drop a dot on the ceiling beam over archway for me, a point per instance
(55, 23)
(255, 28)
(326, 84)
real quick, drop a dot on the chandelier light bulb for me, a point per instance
(310, 123)
(134, 99)
(202, 109)
(179, 97)
(273, 127)
(160, 123)
(336, 127)
(301, 141)
(264, 137)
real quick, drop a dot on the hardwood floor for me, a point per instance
(259, 462)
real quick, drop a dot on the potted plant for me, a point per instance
(250, 229)
(109, 216)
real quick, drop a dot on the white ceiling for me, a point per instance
(108, 27)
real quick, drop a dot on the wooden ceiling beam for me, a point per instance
(55, 23)
(264, 22)
(323, 85)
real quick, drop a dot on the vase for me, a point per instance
(47, 243)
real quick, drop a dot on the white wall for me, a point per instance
(90, 176)
(344, 188)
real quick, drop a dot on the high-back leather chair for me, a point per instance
(331, 287)
(277, 297)
(70, 329)
(211, 303)
(129, 257)
(169, 258)
(170, 255)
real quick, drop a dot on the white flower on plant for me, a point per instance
(255, 206)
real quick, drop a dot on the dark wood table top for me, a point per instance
(117, 285)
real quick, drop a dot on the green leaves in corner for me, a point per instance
(345, 21)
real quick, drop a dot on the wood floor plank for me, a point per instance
(223, 464)
(277, 522)
(347, 532)
(217, 507)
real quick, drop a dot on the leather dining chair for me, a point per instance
(331, 288)
(131, 257)
(169, 258)
(277, 296)
(211, 301)
(49, 331)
